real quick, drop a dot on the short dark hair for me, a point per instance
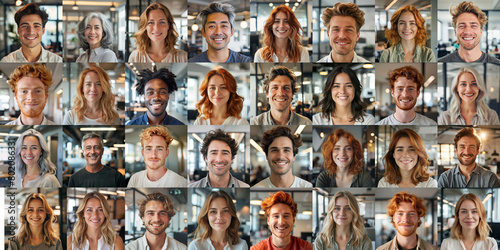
(467, 132)
(156, 196)
(280, 71)
(31, 9)
(218, 135)
(280, 131)
(163, 74)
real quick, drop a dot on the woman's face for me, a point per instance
(281, 28)
(92, 88)
(467, 88)
(93, 33)
(468, 215)
(405, 155)
(94, 213)
(407, 26)
(157, 28)
(36, 213)
(342, 213)
(343, 91)
(343, 153)
(219, 215)
(31, 150)
(218, 94)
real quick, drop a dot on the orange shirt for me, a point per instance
(295, 244)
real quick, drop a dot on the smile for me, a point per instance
(281, 163)
(343, 97)
(468, 38)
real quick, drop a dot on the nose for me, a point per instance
(154, 153)
(217, 29)
(29, 150)
(217, 90)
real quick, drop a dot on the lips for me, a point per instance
(218, 38)
(280, 163)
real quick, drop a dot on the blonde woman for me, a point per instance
(470, 229)
(93, 230)
(343, 227)
(36, 230)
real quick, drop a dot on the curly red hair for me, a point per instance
(411, 73)
(328, 146)
(279, 197)
(295, 37)
(417, 204)
(235, 102)
(392, 34)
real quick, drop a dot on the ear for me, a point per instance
(142, 153)
(168, 152)
(392, 92)
(418, 93)
(357, 37)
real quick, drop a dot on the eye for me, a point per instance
(150, 23)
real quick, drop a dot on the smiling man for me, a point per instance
(156, 86)
(405, 85)
(281, 146)
(468, 21)
(343, 22)
(94, 174)
(406, 211)
(218, 150)
(155, 141)
(31, 21)
(156, 211)
(280, 86)
(217, 27)
(30, 85)
(280, 210)
(468, 174)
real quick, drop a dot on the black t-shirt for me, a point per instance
(107, 177)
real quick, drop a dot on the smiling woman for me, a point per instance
(95, 33)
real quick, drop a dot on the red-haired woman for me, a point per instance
(220, 104)
(343, 162)
(406, 162)
(407, 36)
(282, 38)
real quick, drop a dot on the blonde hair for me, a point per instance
(161, 131)
(143, 40)
(482, 228)
(80, 230)
(468, 7)
(24, 234)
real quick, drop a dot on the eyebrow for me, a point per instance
(154, 88)
(349, 26)
(213, 208)
(278, 148)
(216, 150)
(216, 22)
(29, 23)
(404, 147)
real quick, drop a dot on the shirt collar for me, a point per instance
(166, 120)
(207, 181)
(146, 246)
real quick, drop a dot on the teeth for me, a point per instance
(280, 100)
(468, 38)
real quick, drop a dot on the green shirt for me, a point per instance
(395, 54)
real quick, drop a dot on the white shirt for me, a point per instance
(142, 244)
(169, 179)
(45, 121)
(231, 120)
(46, 56)
(318, 119)
(304, 56)
(100, 245)
(199, 244)
(297, 183)
(430, 183)
(355, 59)
(70, 119)
(98, 55)
(45, 180)
(456, 244)
(419, 120)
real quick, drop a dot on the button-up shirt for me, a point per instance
(421, 245)
(143, 120)
(479, 178)
(142, 244)
(205, 183)
(266, 119)
(46, 56)
(445, 118)
(355, 59)
(395, 54)
(98, 55)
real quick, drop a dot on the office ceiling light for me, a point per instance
(19, 2)
(113, 8)
(195, 27)
(244, 24)
(390, 5)
(75, 7)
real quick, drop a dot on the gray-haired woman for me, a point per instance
(96, 37)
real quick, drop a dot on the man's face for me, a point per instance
(468, 31)
(31, 96)
(343, 34)
(156, 97)
(155, 218)
(93, 151)
(155, 152)
(219, 158)
(30, 30)
(405, 93)
(467, 151)
(406, 219)
(281, 220)
(217, 31)
(280, 155)
(280, 93)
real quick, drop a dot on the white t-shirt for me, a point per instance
(169, 179)
(297, 183)
(304, 56)
(231, 120)
(419, 120)
(430, 183)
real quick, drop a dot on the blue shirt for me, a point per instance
(143, 120)
(234, 57)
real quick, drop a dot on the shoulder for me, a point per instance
(318, 119)
(49, 180)
(325, 179)
(81, 57)
(259, 120)
(69, 118)
(452, 57)
(195, 184)
(202, 57)
(175, 245)
(385, 121)
(108, 56)
(258, 56)
(10, 57)
(241, 121)
(200, 120)
(52, 57)
(303, 244)
(302, 120)
(263, 184)
(304, 54)
(261, 245)
(383, 183)
(386, 246)
(134, 56)
(444, 118)
(238, 57)
(424, 120)
(384, 57)
(174, 121)
(431, 182)
(136, 121)
(299, 182)
(119, 243)
(368, 119)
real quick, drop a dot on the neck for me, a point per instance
(343, 111)
(32, 169)
(36, 232)
(219, 111)
(407, 242)
(220, 181)
(94, 46)
(468, 107)
(220, 56)
(32, 54)
(280, 118)
(468, 235)
(94, 169)
(157, 48)
(467, 169)
(156, 120)
(342, 172)
(408, 46)
(156, 174)
(342, 58)
(155, 241)
(31, 120)
(343, 231)
(218, 237)
(405, 116)
(93, 233)
(93, 107)
(281, 242)
(406, 175)
(282, 180)
(282, 45)
(470, 55)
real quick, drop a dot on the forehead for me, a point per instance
(342, 141)
(35, 203)
(342, 21)
(342, 77)
(95, 21)
(30, 140)
(341, 201)
(467, 76)
(407, 16)
(280, 208)
(281, 15)
(32, 18)
(156, 140)
(155, 205)
(282, 142)
(406, 206)
(217, 17)
(159, 14)
(93, 202)
(281, 80)
(467, 18)
(467, 140)
(30, 83)
(404, 82)
(156, 84)
(468, 204)
(403, 141)
(218, 202)
(91, 76)
(216, 79)
(218, 145)
(92, 141)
